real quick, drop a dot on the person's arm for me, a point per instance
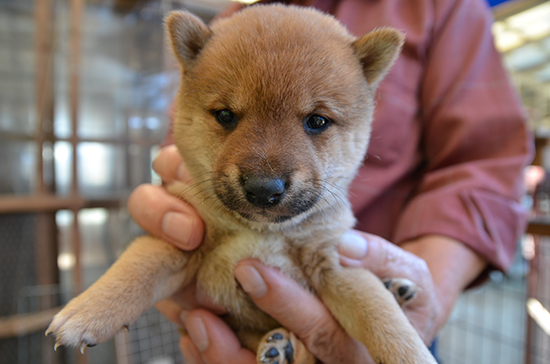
(475, 143)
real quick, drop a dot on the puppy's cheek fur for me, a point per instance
(194, 121)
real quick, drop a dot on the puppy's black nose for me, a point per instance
(262, 191)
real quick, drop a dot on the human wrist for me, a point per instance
(452, 265)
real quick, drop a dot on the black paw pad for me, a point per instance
(410, 297)
(277, 348)
(402, 290)
(275, 337)
(272, 353)
(289, 353)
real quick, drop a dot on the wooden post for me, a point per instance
(76, 15)
(532, 289)
(46, 233)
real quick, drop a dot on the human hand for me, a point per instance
(161, 214)
(387, 260)
(211, 341)
(171, 219)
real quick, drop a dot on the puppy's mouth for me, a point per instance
(268, 200)
(261, 217)
(274, 215)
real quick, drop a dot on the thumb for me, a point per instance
(384, 259)
(299, 311)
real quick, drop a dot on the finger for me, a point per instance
(172, 311)
(166, 217)
(300, 312)
(387, 260)
(191, 297)
(384, 259)
(169, 165)
(214, 340)
(186, 299)
(190, 351)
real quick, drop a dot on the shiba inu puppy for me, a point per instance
(272, 118)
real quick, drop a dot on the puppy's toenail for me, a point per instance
(387, 284)
(409, 297)
(402, 290)
(272, 353)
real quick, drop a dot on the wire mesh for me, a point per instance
(539, 345)
(487, 325)
(151, 340)
(124, 101)
(16, 269)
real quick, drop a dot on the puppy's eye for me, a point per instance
(226, 118)
(315, 124)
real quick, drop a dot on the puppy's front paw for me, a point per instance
(86, 321)
(404, 290)
(276, 348)
(282, 347)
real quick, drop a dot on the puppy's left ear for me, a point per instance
(188, 35)
(377, 50)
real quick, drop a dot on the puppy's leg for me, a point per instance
(282, 347)
(370, 314)
(148, 271)
(403, 290)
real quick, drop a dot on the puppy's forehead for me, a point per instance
(279, 56)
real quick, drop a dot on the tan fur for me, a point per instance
(272, 66)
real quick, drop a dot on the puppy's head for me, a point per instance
(274, 110)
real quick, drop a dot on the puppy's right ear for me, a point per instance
(188, 35)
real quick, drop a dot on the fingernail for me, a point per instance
(353, 246)
(155, 158)
(183, 175)
(178, 228)
(251, 281)
(197, 333)
(183, 315)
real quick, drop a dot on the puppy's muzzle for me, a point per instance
(263, 191)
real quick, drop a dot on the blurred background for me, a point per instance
(84, 91)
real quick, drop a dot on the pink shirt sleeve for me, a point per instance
(449, 140)
(474, 140)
